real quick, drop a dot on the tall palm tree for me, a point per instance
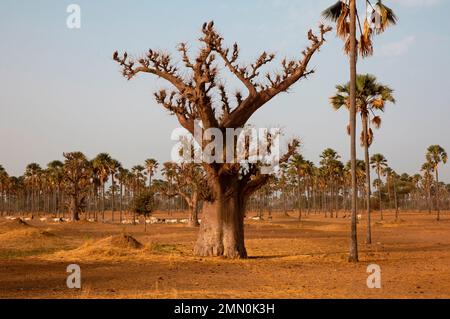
(123, 175)
(435, 156)
(114, 166)
(344, 13)
(427, 181)
(332, 169)
(169, 172)
(379, 163)
(371, 97)
(56, 174)
(32, 179)
(101, 164)
(297, 165)
(151, 166)
(4, 181)
(283, 184)
(393, 177)
(138, 172)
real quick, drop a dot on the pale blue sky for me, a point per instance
(61, 91)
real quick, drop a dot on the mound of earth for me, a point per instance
(13, 225)
(26, 237)
(125, 241)
(110, 247)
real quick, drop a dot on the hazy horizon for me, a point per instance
(62, 92)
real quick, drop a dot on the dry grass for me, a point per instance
(288, 259)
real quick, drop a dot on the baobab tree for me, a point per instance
(187, 180)
(194, 99)
(77, 181)
(435, 156)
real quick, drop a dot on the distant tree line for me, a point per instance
(79, 187)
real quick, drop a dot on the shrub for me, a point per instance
(143, 204)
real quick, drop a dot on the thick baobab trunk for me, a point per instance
(194, 210)
(222, 228)
(74, 209)
(368, 190)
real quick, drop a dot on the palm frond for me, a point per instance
(376, 121)
(342, 23)
(385, 15)
(365, 44)
(334, 12)
(378, 104)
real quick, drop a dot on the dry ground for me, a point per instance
(288, 260)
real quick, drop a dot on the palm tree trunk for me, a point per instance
(299, 202)
(103, 202)
(437, 196)
(367, 164)
(389, 190)
(396, 201)
(113, 196)
(379, 193)
(121, 201)
(353, 256)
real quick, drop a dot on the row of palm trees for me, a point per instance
(101, 183)
(300, 186)
(305, 188)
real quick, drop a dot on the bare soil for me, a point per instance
(288, 259)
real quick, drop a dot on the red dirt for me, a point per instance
(287, 260)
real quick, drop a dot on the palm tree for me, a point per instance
(169, 172)
(4, 181)
(332, 169)
(123, 175)
(379, 163)
(435, 156)
(32, 179)
(56, 174)
(101, 164)
(138, 182)
(283, 183)
(371, 97)
(427, 181)
(344, 13)
(393, 177)
(151, 165)
(297, 165)
(114, 166)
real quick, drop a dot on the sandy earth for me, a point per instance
(287, 260)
